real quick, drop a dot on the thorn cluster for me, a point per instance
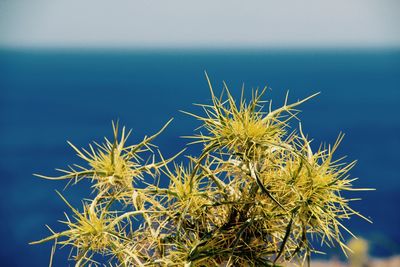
(255, 196)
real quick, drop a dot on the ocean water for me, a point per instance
(48, 97)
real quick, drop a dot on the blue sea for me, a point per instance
(50, 96)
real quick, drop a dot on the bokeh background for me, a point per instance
(68, 68)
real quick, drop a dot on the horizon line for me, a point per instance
(198, 48)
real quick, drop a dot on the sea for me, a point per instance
(49, 96)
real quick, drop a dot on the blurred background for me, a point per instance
(68, 68)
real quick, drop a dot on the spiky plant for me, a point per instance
(255, 195)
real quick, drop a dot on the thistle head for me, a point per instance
(243, 128)
(89, 232)
(188, 193)
(114, 166)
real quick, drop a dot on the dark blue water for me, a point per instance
(49, 97)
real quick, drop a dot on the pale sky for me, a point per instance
(204, 23)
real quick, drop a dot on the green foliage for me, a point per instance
(254, 196)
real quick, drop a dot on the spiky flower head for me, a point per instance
(243, 128)
(113, 166)
(91, 231)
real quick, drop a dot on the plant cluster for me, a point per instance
(255, 196)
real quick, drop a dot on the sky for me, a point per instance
(206, 23)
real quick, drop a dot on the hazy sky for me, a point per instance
(205, 23)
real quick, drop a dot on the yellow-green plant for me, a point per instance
(255, 196)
